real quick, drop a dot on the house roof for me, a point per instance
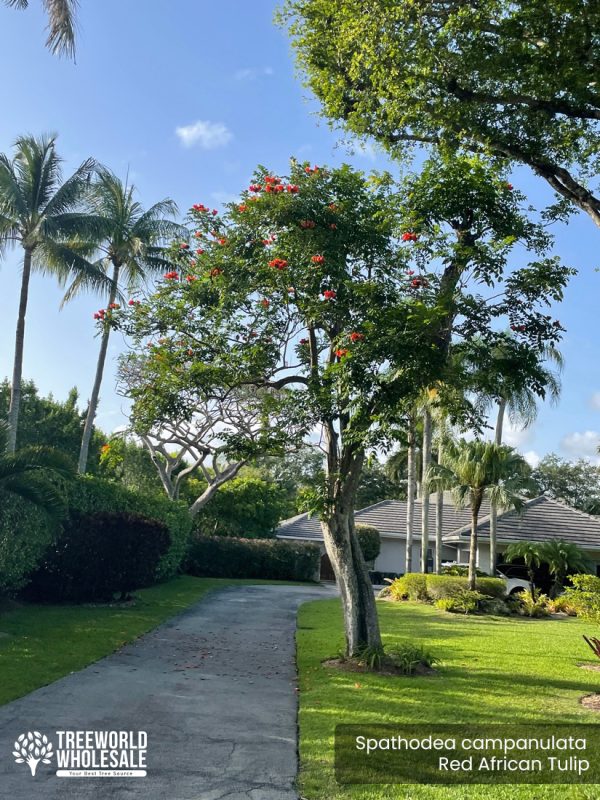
(543, 518)
(388, 516)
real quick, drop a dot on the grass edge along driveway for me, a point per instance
(493, 670)
(41, 643)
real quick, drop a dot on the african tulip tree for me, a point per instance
(336, 296)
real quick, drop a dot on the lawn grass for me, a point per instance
(493, 670)
(41, 643)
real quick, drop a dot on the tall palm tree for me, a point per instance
(42, 214)
(411, 486)
(475, 469)
(563, 558)
(27, 473)
(516, 396)
(130, 243)
(61, 23)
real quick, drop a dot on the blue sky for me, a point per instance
(189, 97)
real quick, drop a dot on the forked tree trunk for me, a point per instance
(426, 459)
(88, 428)
(493, 508)
(411, 486)
(341, 543)
(17, 376)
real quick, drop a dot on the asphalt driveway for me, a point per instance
(213, 688)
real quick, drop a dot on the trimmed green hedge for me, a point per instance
(26, 532)
(227, 557)
(89, 495)
(369, 540)
(416, 586)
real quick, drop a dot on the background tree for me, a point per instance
(517, 79)
(563, 558)
(62, 18)
(576, 483)
(48, 422)
(474, 470)
(306, 293)
(43, 215)
(130, 241)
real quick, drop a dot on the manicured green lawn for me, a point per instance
(39, 644)
(493, 670)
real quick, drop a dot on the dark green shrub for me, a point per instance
(88, 495)
(461, 570)
(369, 541)
(494, 606)
(411, 586)
(99, 555)
(227, 557)
(492, 587)
(26, 532)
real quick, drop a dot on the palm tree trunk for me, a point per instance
(15, 391)
(473, 545)
(410, 492)
(493, 508)
(88, 428)
(439, 516)
(426, 458)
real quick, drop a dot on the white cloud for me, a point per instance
(595, 401)
(532, 458)
(515, 436)
(582, 445)
(208, 135)
(252, 73)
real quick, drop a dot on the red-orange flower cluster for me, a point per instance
(318, 259)
(215, 272)
(341, 352)
(191, 278)
(329, 294)
(242, 207)
(303, 341)
(419, 283)
(265, 303)
(409, 236)
(199, 251)
(311, 170)
(355, 336)
(200, 207)
(222, 241)
(306, 224)
(255, 187)
(519, 328)
(278, 263)
(171, 276)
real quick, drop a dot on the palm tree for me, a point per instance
(563, 558)
(517, 397)
(43, 215)
(61, 23)
(26, 473)
(531, 553)
(477, 469)
(129, 240)
(411, 486)
(426, 462)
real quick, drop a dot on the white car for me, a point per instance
(515, 577)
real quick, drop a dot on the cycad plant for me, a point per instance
(531, 555)
(474, 470)
(43, 215)
(131, 244)
(29, 473)
(563, 558)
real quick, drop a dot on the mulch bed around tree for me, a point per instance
(591, 702)
(390, 670)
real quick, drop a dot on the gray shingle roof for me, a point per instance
(389, 517)
(544, 518)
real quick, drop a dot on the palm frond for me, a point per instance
(70, 193)
(61, 26)
(62, 260)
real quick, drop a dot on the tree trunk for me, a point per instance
(341, 543)
(15, 390)
(88, 428)
(493, 508)
(426, 459)
(476, 500)
(410, 492)
(439, 516)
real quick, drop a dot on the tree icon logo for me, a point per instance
(31, 748)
